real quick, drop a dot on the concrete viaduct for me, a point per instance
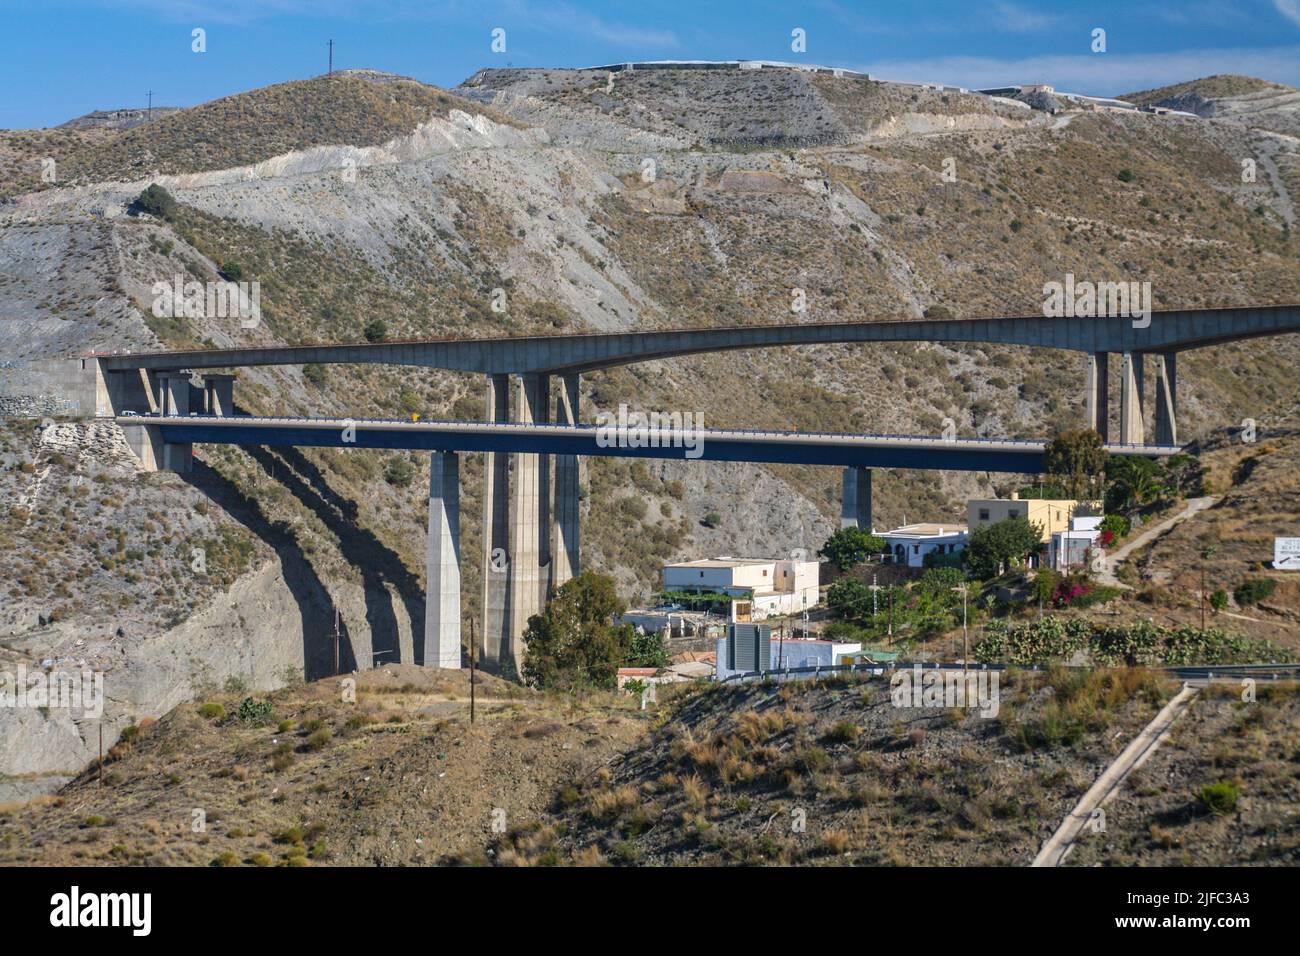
(516, 513)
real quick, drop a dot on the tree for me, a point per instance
(849, 599)
(1132, 484)
(399, 472)
(850, 546)
(574, 641)
(376, 330)
(155, 201)
(1001, 544)
(648, 651)
(1076, 460)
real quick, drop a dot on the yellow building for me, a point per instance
(1049, 514)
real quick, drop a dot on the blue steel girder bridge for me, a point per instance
(530, 533)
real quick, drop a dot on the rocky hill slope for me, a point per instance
(681, 199)
(824, 774)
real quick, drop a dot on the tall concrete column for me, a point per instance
(1098, 394)
(525, 529)
(564, 550)
(855, 506)
(442, 563)
(174, 400)
(1166, 398)
(544, 486)
(496, 532)
(1132, 431)
(219, 394)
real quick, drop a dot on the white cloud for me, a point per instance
(1097, 73)
(1289, 9)
(1016, 19)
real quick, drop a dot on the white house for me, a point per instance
(762, 587)
(911, 543)
(1069, 548)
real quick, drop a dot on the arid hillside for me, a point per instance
(826, 773)
(365, 200)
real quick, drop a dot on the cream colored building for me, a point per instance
(1051, 515)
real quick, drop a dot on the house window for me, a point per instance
(1013, 513)
(984, 514)
(916, 549)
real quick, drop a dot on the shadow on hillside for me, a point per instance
(379, 565)
(313, 599)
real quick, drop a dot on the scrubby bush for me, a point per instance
(1254, 590)
(255, 712)
(1220, 798)
(155, 201)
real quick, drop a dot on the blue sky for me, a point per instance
(62, 59)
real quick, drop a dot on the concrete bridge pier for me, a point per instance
(524, 574)
(496, 532)
(1098, 394)
(219, 395)
(442, 563)
(1166, 398)
(564, 550)
(855, 505)
(174, 400)
(1132, 431)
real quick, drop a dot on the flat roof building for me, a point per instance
(759, 587)
(911, 543)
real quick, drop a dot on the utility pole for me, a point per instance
(891, 615)
(149, 112)
(471, 670)
(1206, 553)
(101, 753)
(331, 46)
(780, 645)
(336, 641)
(965, 638)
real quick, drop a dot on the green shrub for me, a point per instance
(399, 473)
(232, 271)
(376, 330)
(212, 711)
(1219, 600)
(255, 712)
(1220, 798)
(155, 201)
(1254, 590)
(319, 739)
(1125, 176)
